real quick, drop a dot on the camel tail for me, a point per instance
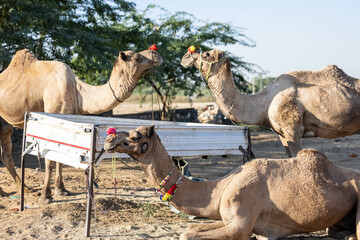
(22, 58)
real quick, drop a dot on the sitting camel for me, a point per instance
(296, 105)
(210, 115)
(52, 87)
(271, 198)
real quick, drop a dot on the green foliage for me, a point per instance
(78, 32)
(260, 83)
(173, 34)
(148, 209)
(88, 35)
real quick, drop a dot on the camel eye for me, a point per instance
(137, 57)
(208, 54)
(126, 144)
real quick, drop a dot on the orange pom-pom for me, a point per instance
(191, 49)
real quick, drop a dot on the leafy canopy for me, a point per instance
(88, 34)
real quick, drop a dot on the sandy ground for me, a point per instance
(136, 213)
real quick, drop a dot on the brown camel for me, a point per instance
(271, 198)
(52, 87)
(296, 105)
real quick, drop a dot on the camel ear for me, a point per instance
(220, 54)
(150, 131)
(122, 55)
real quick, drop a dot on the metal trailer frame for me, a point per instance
(81, 139)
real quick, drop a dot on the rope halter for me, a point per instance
(210, 65)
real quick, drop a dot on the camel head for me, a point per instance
(136, 143)
(136, 64)
(203, 60)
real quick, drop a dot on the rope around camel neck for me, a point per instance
(213, 93)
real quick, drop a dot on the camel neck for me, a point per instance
(103, 98)
(240, 108)
(192, 197)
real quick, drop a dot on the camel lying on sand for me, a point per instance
(210, 115)
(271, 198)
(296, 105)
(52, 87)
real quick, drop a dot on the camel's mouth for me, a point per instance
(110, 149)
(157, 60)
(187, 60)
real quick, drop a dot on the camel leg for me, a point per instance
(6, 147)
(46, 191)
(59, 184)
(358, 219)
(240, 222)
(231, 231)
(6, 154)
(204, 227)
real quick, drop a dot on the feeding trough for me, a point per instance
(78, 140)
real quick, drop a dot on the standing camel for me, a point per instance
(52, 87)
(271, 198)
(296, 105)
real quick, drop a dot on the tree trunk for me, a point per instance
(163, 99)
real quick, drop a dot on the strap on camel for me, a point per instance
(210, 65)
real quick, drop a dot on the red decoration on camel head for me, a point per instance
(111, 131)
(153, 47)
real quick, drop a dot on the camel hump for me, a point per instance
(312, 158)
(331, 72)
(310, 153)
(22, 58)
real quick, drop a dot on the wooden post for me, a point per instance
(23, 165)
(90, 194)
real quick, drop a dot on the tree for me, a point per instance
(88, 34)
(78, 32)
(259, 83)
(174, 33)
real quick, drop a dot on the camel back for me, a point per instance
(328, 75)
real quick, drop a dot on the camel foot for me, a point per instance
(337, 232)
(46, 200)
(2, 193)
(351, 237)
(187, 236)
(28, 189)
(62, 192)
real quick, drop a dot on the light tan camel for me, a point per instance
(296, 105)
(210, 115)
(271, 198)
(52, 87)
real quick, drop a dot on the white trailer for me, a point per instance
(78, 141)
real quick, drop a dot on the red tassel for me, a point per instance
(172, 189)
(153, 47)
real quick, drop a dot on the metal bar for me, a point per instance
(22, 200)
(97, 162)
(28, 148)
(90, 195)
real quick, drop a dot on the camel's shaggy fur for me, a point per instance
(323, 103)
(51, 86)
(271, 198)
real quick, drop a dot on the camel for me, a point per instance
(52, 87)
(296, 105)
(272, 198)
(210, 115)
